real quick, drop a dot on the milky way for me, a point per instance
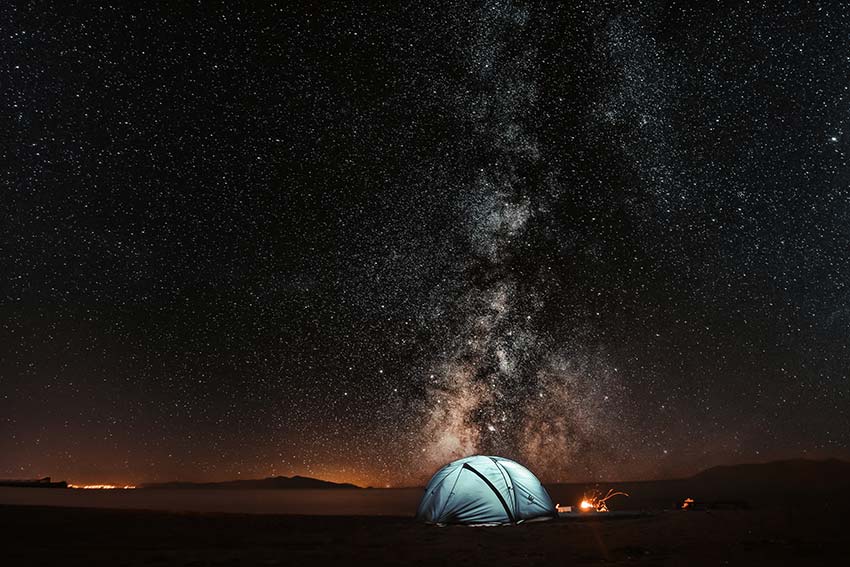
(606, 240)
(504, 385)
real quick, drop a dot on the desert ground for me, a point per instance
(39, 535)
(784, 513)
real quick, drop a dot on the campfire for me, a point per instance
(595, 501)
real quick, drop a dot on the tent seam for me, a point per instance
(510, 482)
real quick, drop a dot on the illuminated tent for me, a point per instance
(484, 490)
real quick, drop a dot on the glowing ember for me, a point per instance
(595, 500)
(101, 486)
(688, 504)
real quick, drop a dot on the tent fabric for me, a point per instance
(484, 490)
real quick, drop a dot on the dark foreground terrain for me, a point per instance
(76, 536)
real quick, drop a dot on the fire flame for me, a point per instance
(595, 500)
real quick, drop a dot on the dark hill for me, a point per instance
(275, 482)
(793, 473)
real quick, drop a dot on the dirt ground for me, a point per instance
(74, 536)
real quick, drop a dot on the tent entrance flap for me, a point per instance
(495, 491)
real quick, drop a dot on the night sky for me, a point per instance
(608, 240)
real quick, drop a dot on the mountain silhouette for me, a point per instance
(275, 482)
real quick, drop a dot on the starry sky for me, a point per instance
(610, 240)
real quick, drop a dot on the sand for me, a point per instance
(40, 535)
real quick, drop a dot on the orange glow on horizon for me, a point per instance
(102, 486)
(335, 475)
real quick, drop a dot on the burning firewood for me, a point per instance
(595, 500)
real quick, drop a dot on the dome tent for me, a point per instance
(484, 490)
